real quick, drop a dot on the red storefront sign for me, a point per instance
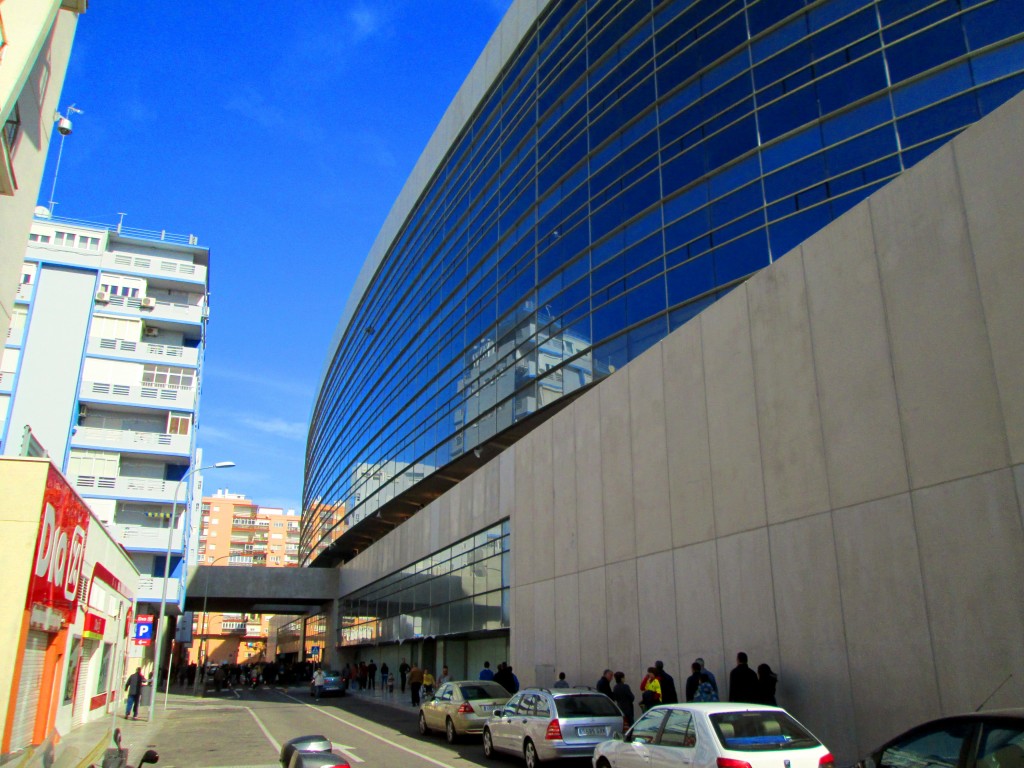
(60, 552)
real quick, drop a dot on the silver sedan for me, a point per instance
(461, 707)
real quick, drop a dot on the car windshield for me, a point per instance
(761, 731)
(586, 705)
(332, 673)
(483, 690)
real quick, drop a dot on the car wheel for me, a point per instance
(530, 755)
(488, 744)
(424, 730)
(450, 732)
(602, 763)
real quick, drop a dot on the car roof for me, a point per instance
(715, 707)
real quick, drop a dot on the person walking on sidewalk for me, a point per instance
(403, 672)
(134, 688)
(318, 683)
(415, 683)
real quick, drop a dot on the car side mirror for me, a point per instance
(150, 757)
(500, 712)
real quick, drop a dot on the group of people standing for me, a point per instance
(659, 687)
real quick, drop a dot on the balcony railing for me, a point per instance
(142, 488)
(173, 311)
(148, 265)
(6, 381)
(150, 537)
(151, 589)
(24, 292)
(144, 351)
(181, 398)
(130, 440)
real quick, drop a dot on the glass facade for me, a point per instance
(461, 589)
(632, 162)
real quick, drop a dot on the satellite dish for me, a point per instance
(42, 212)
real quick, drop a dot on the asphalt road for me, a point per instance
(247, 728)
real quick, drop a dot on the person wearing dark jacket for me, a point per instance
(604, 684)
(742, 682)
(766, 683)
(623, 696)
(668, 684)
(504, 678)
(693, 681)
(134, 688)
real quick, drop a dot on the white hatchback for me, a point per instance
(714, 735)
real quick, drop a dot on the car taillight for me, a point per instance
(554, 730)
(465, 708)
(728, 762)
(827, 761)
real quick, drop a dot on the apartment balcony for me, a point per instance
(151, 589)
(149, 266)
(6, 381)
(143, 351)
(181, 399)
(157, 309)
(146, 537)
(130, 441)
(24, 292)
(127, 488)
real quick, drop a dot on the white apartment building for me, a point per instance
(35, 45)
(102, 368)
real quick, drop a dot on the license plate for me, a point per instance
(487, 707)
(593, 731)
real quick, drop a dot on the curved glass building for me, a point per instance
(609, 169)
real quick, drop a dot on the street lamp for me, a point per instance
(163, 593)
(206, 619)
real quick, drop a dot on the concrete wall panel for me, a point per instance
(544, 627)
(748, 602)
(812, 655)
(699, 607)
(990, 183)
(853, 364)
(594, 616)
(884, 617)
(972, 555)
(789, 425)
(736, 474)
(652, 512)
(523, 531)
(543, 503)
(623, 616)
(564, 503)
(686, 428)
(657, 601)
(589, 500)
(617, 469)
(567, 627)
(945, 382)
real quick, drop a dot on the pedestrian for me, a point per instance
(383, 675)
(318, 683)
(561, 682)
(192, 669)
(503, 677)
(693, 681)
(711, 675)
(371, 675)
(705, 690)
(487, 673)
(604, 683)
(428, 684)
(623, 696)
(742, 682)
(134, 688)
(445, 676)
(650, 690)
(415, 683)
(363, 675)
(403, 672)
(513, 678)
(668, 684)
(766, 684)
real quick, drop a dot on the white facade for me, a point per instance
(102, 363)
(35, 48)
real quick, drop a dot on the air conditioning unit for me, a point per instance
(148, 302)
(151, 331)
(102, 297)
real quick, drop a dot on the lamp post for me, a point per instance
(163, 594)
(203, 642)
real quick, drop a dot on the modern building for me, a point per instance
(103, 366)
(800, 436)
(67, 603)
(236, 531)
(35, 45)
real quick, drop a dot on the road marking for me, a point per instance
(377, 736)
(347, 753)
(271, 739)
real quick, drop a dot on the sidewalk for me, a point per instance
(396, 700)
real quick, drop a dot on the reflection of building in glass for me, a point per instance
(494, 386)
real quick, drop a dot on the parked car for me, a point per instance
(314, 751)
(542, 724)
(715, 735)
(993, 739)
(333, 683)
(461, 707)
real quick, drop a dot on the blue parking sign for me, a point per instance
(143, 631)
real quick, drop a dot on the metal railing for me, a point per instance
(161, 235)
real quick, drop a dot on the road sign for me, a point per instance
(144, 630)
(314, 651)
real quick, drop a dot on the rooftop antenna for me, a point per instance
(120, 221)
(64, 126)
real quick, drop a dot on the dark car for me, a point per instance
(993, 739)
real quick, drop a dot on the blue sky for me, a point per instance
(280, 134)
